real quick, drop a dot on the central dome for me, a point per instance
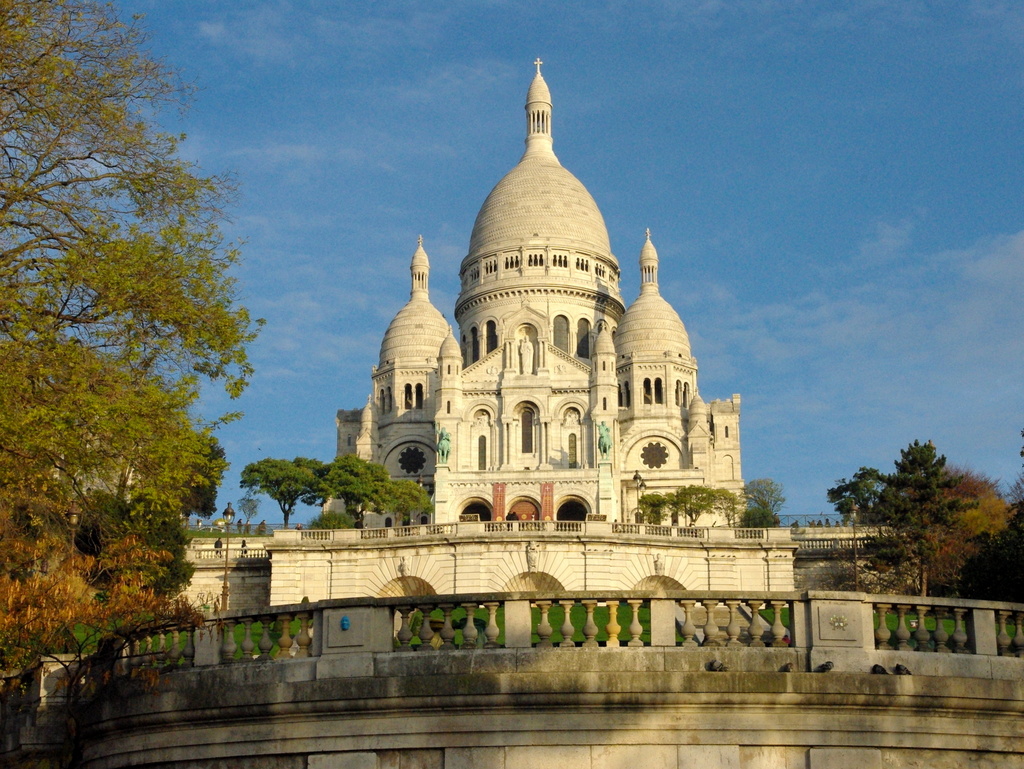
(539, 200)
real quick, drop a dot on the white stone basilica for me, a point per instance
(553, 401)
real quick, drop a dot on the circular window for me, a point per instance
(412, 460)
(654, 455)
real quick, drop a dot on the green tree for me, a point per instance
(286, 482)
(856, 499)
(403, 498)
(361, 485)
(653, 507)
(201, 498)
(918, 510)
(764, 501)
(116, 307)
(688, 504)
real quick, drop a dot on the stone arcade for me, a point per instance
(547, 358)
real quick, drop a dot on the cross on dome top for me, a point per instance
(537, 63)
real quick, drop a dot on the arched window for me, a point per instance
(686, 394)
(648, 396)
(659, 395)
(481, 453)
(604, 403)
(408, 396)
(419, 396)
(629, 400)
(583, 338)
(573, 462)
(727, 431)
(448, 407)
(474, 336)
(679, 393)
(391, 401)
(620, 395)
(492, 336)
(527, 425)
(383, 402)
(561, 333)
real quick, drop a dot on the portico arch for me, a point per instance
(477, 507)
(572, 509)
(402, 586)
(523, 509)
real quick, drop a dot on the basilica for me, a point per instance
(552, 400)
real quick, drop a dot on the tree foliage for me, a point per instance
(688, 504)
(765, 499)
(856, 499)
(286, 482)
(116, 307)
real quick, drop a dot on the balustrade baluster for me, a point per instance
(491, 633)
(544, 629)
(247, 642)
(160, 651)
(426, 632)
(940, 636)
(266, 641)
(754, 630)
(689, 629)
(227, 641)
(732, 630)
(959, 634)
(921, 635)
(188, 652)
(882, 632)
(1018, 635)
(469, 632)
(174, 652)
(902, 631)
(1003, 638)
(710, 624)
(635, 628)
(284, 643)
(567, 629)
(404, 634)
(134, 653)
(304, 638)
(447, 631)
(613, 628)
(589, 626)
(778, 628)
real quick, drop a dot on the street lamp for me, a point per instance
(228, 515)
(638, 481)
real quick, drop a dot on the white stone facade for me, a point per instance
(545, 357)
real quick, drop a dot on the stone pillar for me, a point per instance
(442, 491)
(606, 497)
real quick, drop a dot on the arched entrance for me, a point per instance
(479, 508)
(523, 510)
(571, 510)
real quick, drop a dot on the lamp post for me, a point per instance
(638, 481)
(228, 515)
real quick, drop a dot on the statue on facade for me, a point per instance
(604, 440)
(525, 356)
(659, 565)
(531, 557)
(444, 445)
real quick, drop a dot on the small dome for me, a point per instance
(450, 347)
(651, 326)
(415, 334)
(417, 331)
(539, 91)
(604, 345)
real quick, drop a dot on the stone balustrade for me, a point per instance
(573, 528)
(855, 630)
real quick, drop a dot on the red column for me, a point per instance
(498, 506)
(547, 501)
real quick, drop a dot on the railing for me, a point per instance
(217, 553)
(575, 528)
(600, 620)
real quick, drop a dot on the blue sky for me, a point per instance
(836, 191)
